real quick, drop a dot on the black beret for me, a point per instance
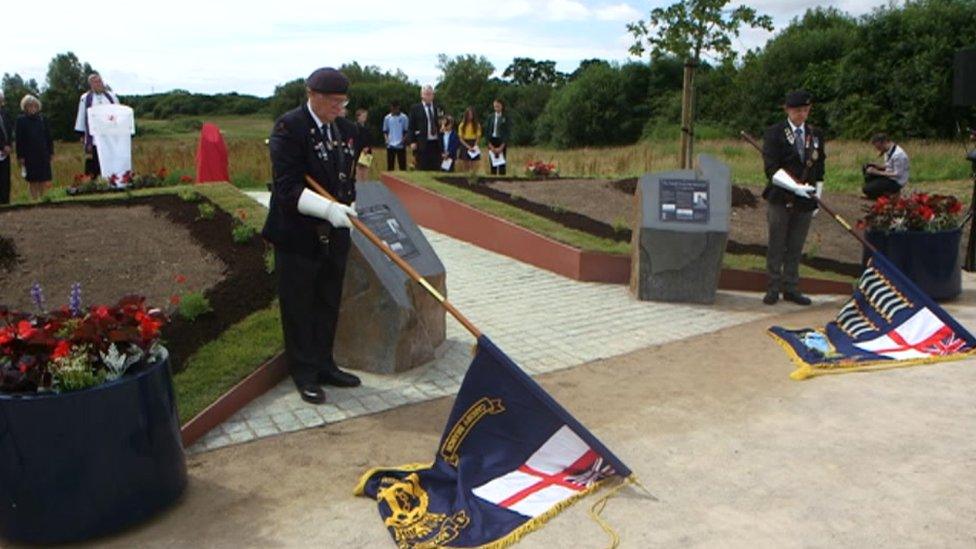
(798, 98)
(327, 80)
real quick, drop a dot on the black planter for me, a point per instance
(930, 260)
(83, 464)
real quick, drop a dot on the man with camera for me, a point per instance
(892, 176)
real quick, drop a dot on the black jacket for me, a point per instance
(298, 148)
(417, 132)
(7, 133)
(779, 152)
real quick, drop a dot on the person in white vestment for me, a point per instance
(97, 94)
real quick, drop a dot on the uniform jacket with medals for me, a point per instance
(779, 151)
(418, 125)
(298, 148)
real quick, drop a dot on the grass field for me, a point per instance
(936, 166)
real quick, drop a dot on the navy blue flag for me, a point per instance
(510, 458)
(888, 322)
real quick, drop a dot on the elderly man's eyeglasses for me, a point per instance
(335, 100)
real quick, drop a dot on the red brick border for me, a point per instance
(487, 231)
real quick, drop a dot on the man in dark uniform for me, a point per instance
(793, 154)
(311, 233)
(425, 131)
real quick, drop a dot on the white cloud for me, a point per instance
(618, 12)
(565, 10)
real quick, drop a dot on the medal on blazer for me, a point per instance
(790, 137)
(815, 155)
(321, 152)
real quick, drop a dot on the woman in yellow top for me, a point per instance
(469, 130)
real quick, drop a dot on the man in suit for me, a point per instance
(6, 149)
(311, 233)
(425, 131)
(797, 148)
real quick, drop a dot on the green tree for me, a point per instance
(15, 88)
(689, 29)
(287, 96)
(604, 105)
(67, 79)
(465, 81)
(525, 71)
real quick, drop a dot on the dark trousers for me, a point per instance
(498, 170)
(400, 155)
(876, 185)
(309, 293)
(5, 181)
(788, 230)
(92, 167)
(429, 156)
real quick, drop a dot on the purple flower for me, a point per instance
(37, 294)
(74, 301)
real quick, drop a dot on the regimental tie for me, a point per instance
(430, 122)
(799, 142)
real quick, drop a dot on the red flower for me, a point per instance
(180, 279)
(61, 350)
(162, 173)
(174, 299)
(101, 312)
(25, 330)
(926, 213)
(186, 179)
(955, 207)
(148, 326)
(7, 334)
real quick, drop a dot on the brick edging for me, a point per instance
(254, 385)
(458, 220)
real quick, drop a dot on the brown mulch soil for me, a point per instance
(139, 246)
(8, 254)
(606, 208)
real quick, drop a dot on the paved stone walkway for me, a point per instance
(544, 321)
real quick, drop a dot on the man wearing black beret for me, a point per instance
(311, 233)
(793, 152)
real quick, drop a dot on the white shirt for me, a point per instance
(494, 127)
(81, 121)
(326, 129)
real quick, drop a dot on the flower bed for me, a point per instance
(85, 184)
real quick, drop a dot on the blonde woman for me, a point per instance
(35, 148)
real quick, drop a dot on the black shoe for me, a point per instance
(771, 297)
(339, 378)
(312, 394)
(797, 297)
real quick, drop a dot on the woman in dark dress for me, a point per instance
(363, 146)
(34, 146)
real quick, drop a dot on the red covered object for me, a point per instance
(211, 155)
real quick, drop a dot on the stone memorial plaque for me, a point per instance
(387, 322)
(681, 232)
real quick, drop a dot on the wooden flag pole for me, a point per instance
(820, 203)
(406, 267)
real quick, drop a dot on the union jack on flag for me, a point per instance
(888, 321)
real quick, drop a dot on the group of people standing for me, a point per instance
(31, 135)
(438, 142)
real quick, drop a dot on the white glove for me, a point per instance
(337, 214)
(785, 181)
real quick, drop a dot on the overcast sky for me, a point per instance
(211, 46)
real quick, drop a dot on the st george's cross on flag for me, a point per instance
(510, 458)
(888, 322)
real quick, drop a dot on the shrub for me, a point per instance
(206, 211)
(242, 233)
(192, 305)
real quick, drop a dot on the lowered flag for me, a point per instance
(510, 458)
(888, 322)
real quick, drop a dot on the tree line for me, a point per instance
(889, 70)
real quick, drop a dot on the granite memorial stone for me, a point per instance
(387, 322)
(681, 232)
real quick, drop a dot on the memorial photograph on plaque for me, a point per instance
(684, 200)
(381, 220)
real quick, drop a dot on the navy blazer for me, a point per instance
(453, 143)
(7, 135)
(298, 148)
